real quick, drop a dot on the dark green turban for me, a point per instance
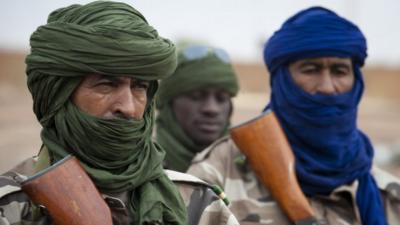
(114, 39)
(198, 67)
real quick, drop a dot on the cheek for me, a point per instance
(226, 110)
(306, 83)
(345, 84)
(140, 104)
(90, 103)
(185, 111)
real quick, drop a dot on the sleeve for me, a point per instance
(212, 164)
(15, 206)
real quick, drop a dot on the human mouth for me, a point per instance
(209, 126)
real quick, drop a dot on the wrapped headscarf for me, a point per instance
(199, 67)
(113, 39)
(330, 150)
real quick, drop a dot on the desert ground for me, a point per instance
(379, 112)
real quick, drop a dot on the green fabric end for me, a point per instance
(43, 159)
(221, 194)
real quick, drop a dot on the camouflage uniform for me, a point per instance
(204, 207)
(251, 203)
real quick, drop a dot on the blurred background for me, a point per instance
(241, 28)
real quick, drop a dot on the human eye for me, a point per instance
(141, 85)
(196, 96)
(105, 84)
(223, 97)
(340, 70)
(309, 69)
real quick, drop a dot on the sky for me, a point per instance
(239, 26)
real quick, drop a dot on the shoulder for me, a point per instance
(219, 162)
(10, 181)
(223, 147)
(8, 184)
(192, 187)
(387, 182)
(10, 188)
(14, 203)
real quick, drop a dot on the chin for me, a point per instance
(207, 140)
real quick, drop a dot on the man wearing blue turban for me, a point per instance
(314, 60)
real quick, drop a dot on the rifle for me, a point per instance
(68, 194)
(264, 143)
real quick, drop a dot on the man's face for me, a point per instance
(203, 114)
(324, 75)
(110, 97)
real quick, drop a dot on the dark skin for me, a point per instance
(203, 114)
(324, 75)
(110, 97)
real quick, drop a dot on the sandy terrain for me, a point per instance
(379, 114)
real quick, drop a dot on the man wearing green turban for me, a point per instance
(194, 104)
(92, 73)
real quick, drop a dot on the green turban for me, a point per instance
(198, 67)
(114, 39)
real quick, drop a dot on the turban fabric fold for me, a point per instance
(330, 150)
(315, 32)
(114, 39)
(210, 69)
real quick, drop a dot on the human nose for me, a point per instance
(211, 106)
(326, 84)
(124, 105)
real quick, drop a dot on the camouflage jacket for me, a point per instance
(251, 203)
(204, 206)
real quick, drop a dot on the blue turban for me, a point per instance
(330, 150)
(315, 32)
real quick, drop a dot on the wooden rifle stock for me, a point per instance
(68, 194)
(264, 143)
